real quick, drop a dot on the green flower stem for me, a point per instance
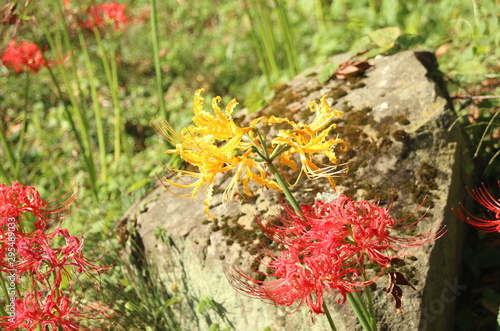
(23, 128)
(358, 312)
(278, 150)
(114, 96)
(369, 301)
(329, 317)
(156, 51)
(119, 130)
(362, 305)
(97, 109)
(284, 187)
(491, 161)
(264, 146)
(258, 150)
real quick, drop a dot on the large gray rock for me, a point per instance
(397, 123)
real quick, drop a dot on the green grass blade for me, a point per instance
(484, 133)
(23, 127)
(84, 140)
(97, 110)
(76, 79)
(114, 96)
(255, 40)
(287, 33)
(156, 54)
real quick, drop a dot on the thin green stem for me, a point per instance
(329, 317)
(128, 152)
(262, 141)
(491, 161)
(113, 86)
(361, 304)
(114, 96)
(358, 312)
(484, 133)
(23, 128)
(369, 301)
(278, 150)
(156, 51)
(97, 109)
(284, 187)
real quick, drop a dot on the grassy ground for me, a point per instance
(240, 49)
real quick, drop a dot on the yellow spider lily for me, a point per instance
(211, 146)
(308, 140)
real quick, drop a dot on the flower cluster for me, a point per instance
(216, 144)
(55, 311)
(485, 224)
(37, 254)
(106, 13)
(326, 249)
(24, 56)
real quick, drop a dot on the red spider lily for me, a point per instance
(484, 224)
(106, 13)
(368, 228)
(299, 278)
(19, 199)
(38, 257)
(25, 56)
(324, 250)
(55, 311)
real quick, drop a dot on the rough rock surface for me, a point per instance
(396, 122)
